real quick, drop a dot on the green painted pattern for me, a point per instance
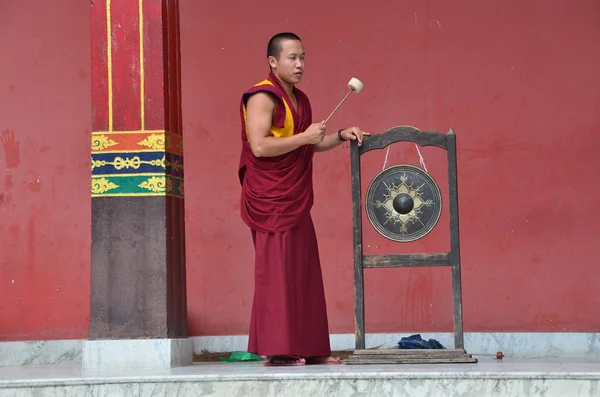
(157, 184)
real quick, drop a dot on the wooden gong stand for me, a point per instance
(361, 261)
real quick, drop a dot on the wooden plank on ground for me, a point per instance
(399, 360)
(406, 357)
(409, 352)
(410, 356)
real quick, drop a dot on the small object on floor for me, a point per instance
(241, 356)
(499, 355)
(416, 342)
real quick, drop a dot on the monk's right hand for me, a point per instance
(315, 133)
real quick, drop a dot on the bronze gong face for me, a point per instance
(403, 203)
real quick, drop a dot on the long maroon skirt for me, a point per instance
(289, 315)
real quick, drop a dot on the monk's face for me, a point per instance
(290, 65)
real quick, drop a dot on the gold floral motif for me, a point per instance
(101, 142)
(119, 163)
(181, 187)
(154, 141)
(168, 142)
(101, 185)
(169, 187)
(154, 184)
(161, 162)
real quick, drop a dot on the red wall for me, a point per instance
(44, 169)
(518, 83)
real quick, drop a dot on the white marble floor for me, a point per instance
(490, 377)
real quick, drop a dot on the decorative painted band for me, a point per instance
(151, 184)
(136, 163)
(136, 141)
(122, 163)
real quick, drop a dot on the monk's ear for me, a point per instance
(272, 62)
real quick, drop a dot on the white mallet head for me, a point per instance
(355, 85)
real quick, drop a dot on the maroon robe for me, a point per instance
(289, 315)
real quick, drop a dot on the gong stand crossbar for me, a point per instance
(451, 259)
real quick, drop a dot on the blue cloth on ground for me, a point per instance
(416, 342)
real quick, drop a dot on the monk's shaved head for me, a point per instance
(274, 47)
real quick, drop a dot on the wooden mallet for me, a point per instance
(355, 85)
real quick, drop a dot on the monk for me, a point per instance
(289, 316)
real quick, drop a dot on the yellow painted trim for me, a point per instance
(109, 65)
(133, 132)
(136, 151)
(140, 174)
(135, 195)
(142, 94)
(127, 194)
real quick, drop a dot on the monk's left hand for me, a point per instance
(354, 133)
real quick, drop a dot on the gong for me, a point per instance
(403, 203)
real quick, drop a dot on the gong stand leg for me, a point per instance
(359, 308)
(455, 243)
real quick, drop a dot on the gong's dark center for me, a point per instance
(403, 203)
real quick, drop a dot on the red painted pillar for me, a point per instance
(138, 256)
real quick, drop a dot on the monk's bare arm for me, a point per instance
(329, 142)
(259, 116)
(332, 140)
